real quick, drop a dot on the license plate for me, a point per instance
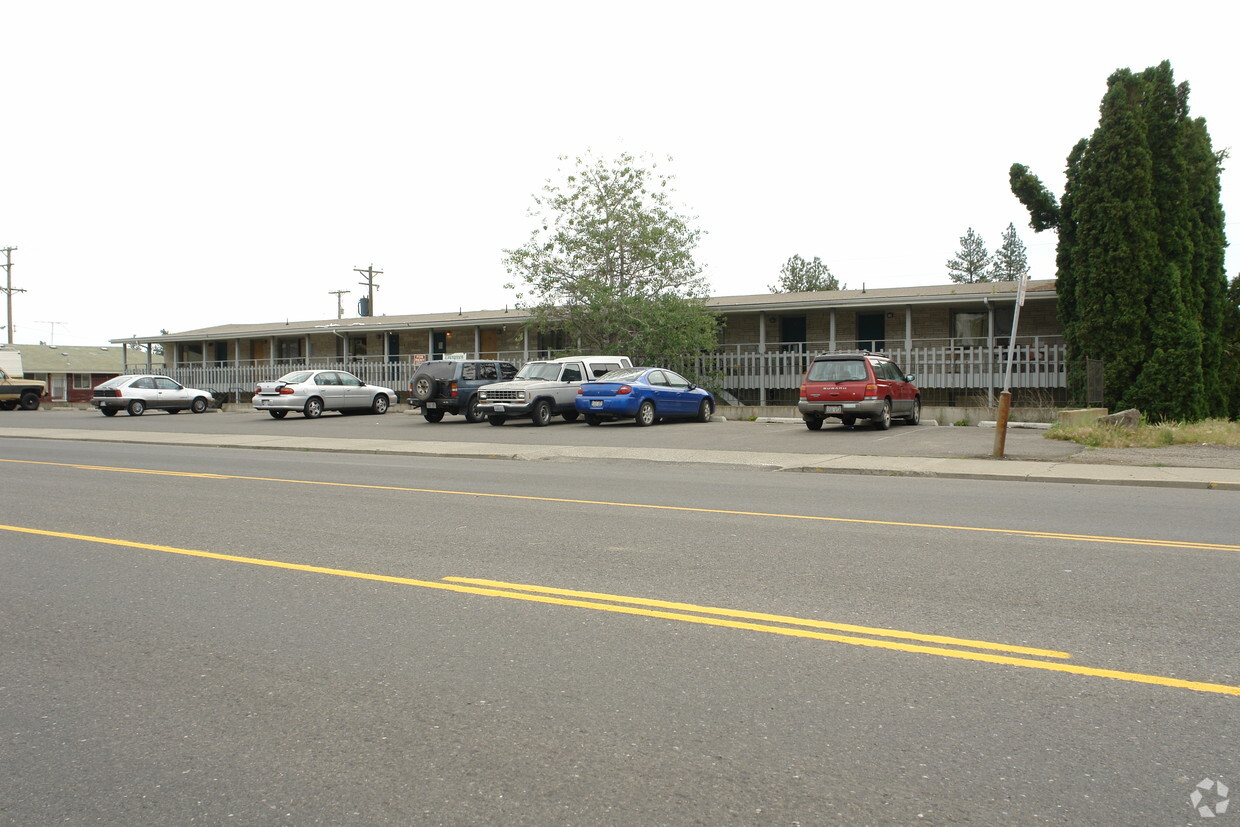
(432, 404)
(262, 402)
(596, 403)
(832, 409)
(499, 408)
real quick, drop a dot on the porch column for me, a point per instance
(762, 358)
(477, 341)
(908, 329)
(831, 343)
(525, 344)
(430, 344)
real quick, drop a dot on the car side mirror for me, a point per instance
(692, 386)
(908, 377)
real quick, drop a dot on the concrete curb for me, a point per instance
(999, 470)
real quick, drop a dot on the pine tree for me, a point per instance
(1010, 261)
(972, 262)
(1140, 255)
(801, 276)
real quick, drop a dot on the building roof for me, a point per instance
(976, 293)
(42, 358)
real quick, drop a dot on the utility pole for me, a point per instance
(339, 294)
(370, 273)
(8, 288)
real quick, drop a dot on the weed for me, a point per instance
(1145, 435)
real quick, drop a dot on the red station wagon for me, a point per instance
(856, 386)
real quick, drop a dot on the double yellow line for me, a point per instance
(988, 652)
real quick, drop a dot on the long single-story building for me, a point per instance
(953, 337)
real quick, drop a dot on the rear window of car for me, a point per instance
(837, 370)
(622, 375)
(295, 378)
(602, 368)
(114, 382)
(439, 369)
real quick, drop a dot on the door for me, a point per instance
(59, 387)
(354, 394)
(792, 333)
(327, 383)
(871, 331)
(490, 344)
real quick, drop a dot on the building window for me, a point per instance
(81, 382)
(357, 346)
(288, 349)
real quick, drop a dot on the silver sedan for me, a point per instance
(311, 392)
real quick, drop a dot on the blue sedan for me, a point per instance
(645, 395)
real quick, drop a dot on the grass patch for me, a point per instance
(1146, 435)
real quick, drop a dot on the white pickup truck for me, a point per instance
(542, 390)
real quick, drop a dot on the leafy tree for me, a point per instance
(801, 276)
(1140, 254)
(1010, 261)
(972, 263)
(610, 264)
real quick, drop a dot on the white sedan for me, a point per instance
(311, 392)
(135, 393)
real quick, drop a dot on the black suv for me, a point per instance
(451, 386)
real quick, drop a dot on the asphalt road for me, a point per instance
(196, 635)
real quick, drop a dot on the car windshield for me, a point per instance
(295, 378)
(542, 371)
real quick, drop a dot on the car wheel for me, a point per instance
(472, 414)
(571, 416)
(108, 411)
(848, 421)
(29, 402)
(593, 419)
(705, 410)
(914, 417)
(198, 405)
(314, 408)
(423, 387)
(135, 407)
(278, 414)
(814, 423)
(380, 405)
(497, 420)
(645, 414)
(433, 416)
(883, 421)
(541, 414)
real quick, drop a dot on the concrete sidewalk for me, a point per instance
(979, 469)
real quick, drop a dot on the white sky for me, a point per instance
(174, 165)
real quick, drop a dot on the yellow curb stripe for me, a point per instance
(1048, 535)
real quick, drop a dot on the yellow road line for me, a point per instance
(1047, 535)
(983, 657)
(770, 618)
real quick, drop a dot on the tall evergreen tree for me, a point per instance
(1141, 284)
(1010, 261)
(801, 276)
(972, 262)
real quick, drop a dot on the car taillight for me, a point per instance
(287, 390)
(581, 391)
(871, 391)
(803, 396)
(623, 389)
(451, 389)
(257, 391)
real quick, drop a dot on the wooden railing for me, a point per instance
(746, 374)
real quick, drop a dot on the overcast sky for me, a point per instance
(174, 165)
